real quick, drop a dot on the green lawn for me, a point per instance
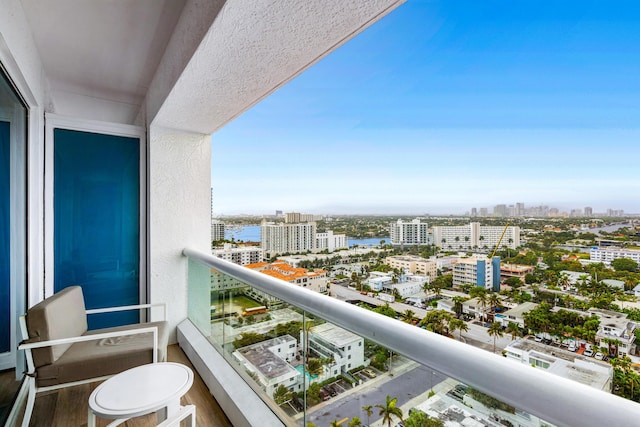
(238, 303)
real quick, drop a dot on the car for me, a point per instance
(599, 356)
(572, 347)
(538, 339)
(588, 353)
(369, 373)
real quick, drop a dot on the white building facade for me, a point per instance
(330, 241)
(239, 255)
(606, 255)
(413, 232)
(287, 238)
(217, 230)
(413, 264)
(477, 271)
(344, 347)
(475, 237)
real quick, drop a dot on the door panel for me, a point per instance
(96, 198)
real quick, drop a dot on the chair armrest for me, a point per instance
(130, 307)
(94, 337)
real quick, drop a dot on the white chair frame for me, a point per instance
(30, 378)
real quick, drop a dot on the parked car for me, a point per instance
(588, 353)
(572, 347)
(369, 373)
(599, 356)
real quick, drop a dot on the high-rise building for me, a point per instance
(588, 211)
(500, 210)
(413, 232)
(287, 238)
(474, 236)
(474, 212)
(217, 230)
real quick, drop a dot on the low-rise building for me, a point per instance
(516, 314)
(315, 280)
(239, 255)
(269, 362)
(413, 264)
(514, 270)
(332, 342)
(377, 280)
(561, 362)
(608, 254)
(616, 332)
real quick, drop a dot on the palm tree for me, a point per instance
(308, 324)
(513, 329)
(282, 394)
(409, 316)
(369, 410)
(495, 330)
(390, 409)
(460, 325)
(494, 301)
(355, 422)
(314, 366)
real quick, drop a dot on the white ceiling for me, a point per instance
(105, 49)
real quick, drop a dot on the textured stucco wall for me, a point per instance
(251, 49)
(179, 213)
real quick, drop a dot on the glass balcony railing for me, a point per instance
(316, 360)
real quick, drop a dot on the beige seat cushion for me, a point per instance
(59, 316)
(102, 357)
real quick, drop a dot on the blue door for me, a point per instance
(97, 220)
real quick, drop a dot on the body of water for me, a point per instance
(251, 233)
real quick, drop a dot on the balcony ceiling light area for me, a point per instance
(102, 49)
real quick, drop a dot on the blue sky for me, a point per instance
(442, 106)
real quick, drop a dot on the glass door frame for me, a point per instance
(54, 121)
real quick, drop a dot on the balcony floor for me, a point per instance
(68, 407)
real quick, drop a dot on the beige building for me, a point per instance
(413, 264)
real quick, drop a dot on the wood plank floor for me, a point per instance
(8, 388)
(68, 407)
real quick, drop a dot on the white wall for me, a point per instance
(179, 213)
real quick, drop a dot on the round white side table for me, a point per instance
(140, 391)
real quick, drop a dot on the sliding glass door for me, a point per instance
(13, 236)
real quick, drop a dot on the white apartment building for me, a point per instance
(475, 236)
(377, 280)
(410, 233)
(217, 230)
(413, 264)
(330, 241)
(477, 271)
(344, 347)
(239, 255)
(562, 363)
(269, 362)
(608, 254)
(287, 238)
(615, 326)
(405, 289)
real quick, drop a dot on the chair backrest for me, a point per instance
(62, 315)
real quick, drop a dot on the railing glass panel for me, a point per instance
(319, 361)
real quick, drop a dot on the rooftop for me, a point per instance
(334, 334)
(267, 362)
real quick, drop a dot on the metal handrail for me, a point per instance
(552, 398)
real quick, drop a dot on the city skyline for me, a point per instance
(439, 108)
